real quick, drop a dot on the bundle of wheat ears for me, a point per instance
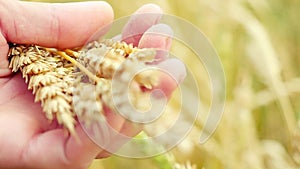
(73, 84)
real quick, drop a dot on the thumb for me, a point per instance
(61, 25)
(52, 25)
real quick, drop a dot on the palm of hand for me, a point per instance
(23, 124)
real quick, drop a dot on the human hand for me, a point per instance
(27, 139)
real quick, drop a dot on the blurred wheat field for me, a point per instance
(258, 43)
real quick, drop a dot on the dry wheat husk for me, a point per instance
(79, 82)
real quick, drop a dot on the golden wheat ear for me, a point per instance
(56, 78)
(50, 78)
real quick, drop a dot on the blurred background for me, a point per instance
(258, 42)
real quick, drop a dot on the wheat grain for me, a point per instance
(65, 82)
(45, 76)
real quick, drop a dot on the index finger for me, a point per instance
(145, 17)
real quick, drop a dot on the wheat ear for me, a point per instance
(80, 81)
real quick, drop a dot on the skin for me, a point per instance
(27, 138)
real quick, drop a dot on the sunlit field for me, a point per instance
(258, 43)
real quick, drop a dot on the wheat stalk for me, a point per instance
(80, 81)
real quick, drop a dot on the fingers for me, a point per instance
(141, 32)
(172, 70)
(126, 132)
(172, 74)
(56, 25)
(159, 37)
(142, 20)
(113, 119)
(149, 35)
(82, 152)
